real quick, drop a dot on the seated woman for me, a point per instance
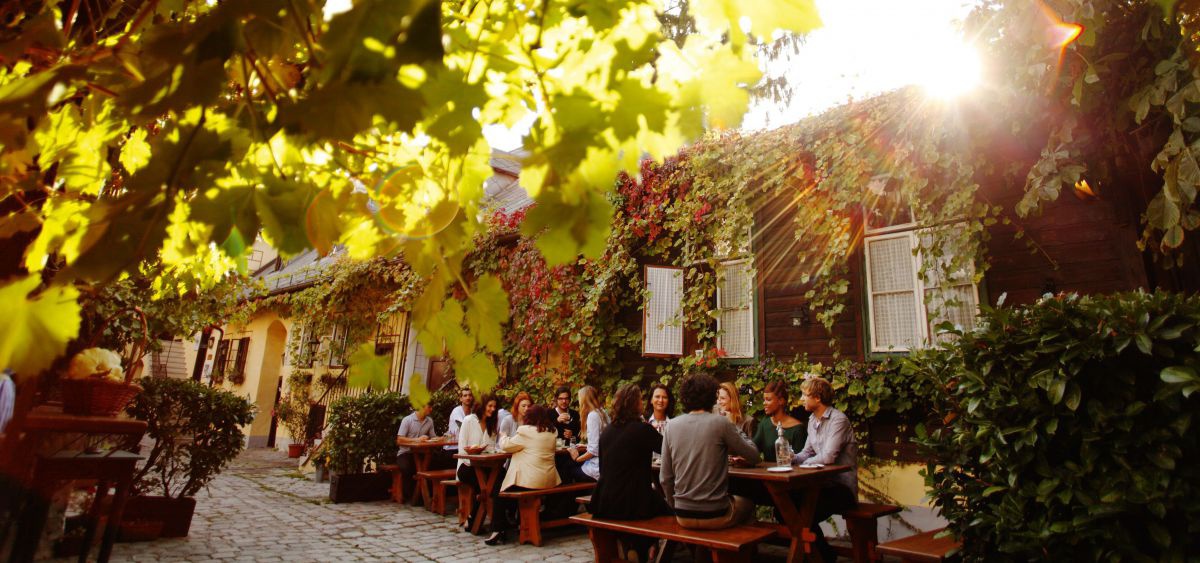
(662, 404)
(625, 490)
(586, 465)
(730, 406)
(775, 405)
(509, 425)
(531, 466)
(478, 433)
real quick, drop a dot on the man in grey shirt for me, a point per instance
(830, 442)
(695, 461)
(418, 425)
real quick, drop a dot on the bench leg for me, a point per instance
(604, 544)
(397, 487)
(531, 521)
(864, 536)
(465, 495)
(439, 498)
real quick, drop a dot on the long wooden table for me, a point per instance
(797, 520)
(422, 452)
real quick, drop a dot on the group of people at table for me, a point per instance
(626, 443)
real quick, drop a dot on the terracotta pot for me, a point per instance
(174, 513)
(295, 450)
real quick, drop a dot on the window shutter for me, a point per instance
(240, 365)
(337, 345)
(219, 362)
(895, 324)
(662, 321)
(735, 303)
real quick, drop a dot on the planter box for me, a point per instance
(174, 513)
(360, 487)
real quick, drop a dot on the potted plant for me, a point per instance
(362, 436)
(292, 412)
(197, 430)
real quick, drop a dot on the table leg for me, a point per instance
(604, 543)
(484, 510)
(93, 520)
(491, 473)
(798, 520)
(114, 517)
(421, 460)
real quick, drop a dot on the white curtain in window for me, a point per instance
(893, 295)
(662, 324)
(735, 304)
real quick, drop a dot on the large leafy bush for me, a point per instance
(362, 430)
(196, 429)
(1068, 431)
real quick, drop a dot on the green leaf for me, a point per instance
(477, 370)
(37, 327)
(418, 394)
(368, 371)
(1143, 343)
(1073, 395)
(1056, 390)
(1179, 374)
(487, 310)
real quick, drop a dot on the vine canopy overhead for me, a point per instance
(178, 131)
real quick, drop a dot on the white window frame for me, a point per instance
(749, 308)
(913, 234)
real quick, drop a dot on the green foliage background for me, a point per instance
(1070, 430)
(197, 431)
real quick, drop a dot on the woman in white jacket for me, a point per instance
(531, 466)
(477, 433)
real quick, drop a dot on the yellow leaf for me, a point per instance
(418, 394)
(368, 370)
(477, 370)
(36, 328)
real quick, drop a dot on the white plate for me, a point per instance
(813, 466)
(779, 468)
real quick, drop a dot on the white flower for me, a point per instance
(96, 362)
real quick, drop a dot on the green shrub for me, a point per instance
(1068, 434)
(362, 431)
(197, 430)
(443, 402)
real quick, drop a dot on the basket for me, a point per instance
(97, 396)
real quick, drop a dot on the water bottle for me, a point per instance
(783, 448)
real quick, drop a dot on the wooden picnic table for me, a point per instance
(53, 447)
(487, 468)
(796, 519)
(422, 452)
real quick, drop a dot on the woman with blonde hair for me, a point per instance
(586, 466)
(730, 405)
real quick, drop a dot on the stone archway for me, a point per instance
(268, 384)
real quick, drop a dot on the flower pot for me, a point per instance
(139, 530)
(320, 474)
(359, 487)
(174, 513)
(295, 450)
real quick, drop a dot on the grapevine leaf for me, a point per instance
(37, 327)
(367, 370)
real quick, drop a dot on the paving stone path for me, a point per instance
(260, 510)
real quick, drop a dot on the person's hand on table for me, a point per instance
(574, 453)
(739, 461)
(423, 439)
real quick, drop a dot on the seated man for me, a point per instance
(566, 418)
(694, 473)
(830, 442)
(417, 426)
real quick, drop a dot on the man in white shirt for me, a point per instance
(830, 441)
(466, 401)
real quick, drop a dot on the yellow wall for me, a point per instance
(902, 483)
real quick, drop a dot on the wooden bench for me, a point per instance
(397, 489)
(434, 478)
(921, 548)
(735, 544)
(584, 500)
(862, 522)
(529, 505)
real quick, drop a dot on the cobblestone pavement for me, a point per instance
(260, 510)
